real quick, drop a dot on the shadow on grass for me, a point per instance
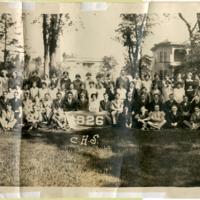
(137, 158)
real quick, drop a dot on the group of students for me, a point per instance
(141, 102)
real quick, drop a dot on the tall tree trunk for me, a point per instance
(133, 71)
(130, 60)
(46, 45)
(46, 65)
(55, 21)
(5, 43)
(52, 62)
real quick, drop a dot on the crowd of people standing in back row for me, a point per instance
(131, 102)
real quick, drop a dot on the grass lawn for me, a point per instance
(125, 158)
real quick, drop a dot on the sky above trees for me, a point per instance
(93, 33)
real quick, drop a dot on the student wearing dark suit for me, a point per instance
(168, 104)
(4, 101)
(142, 101)
(105, 104)
(156, 101)
(174, 119)
(132, 90)
(194, 122)
(69, 103)
(77, 82)
(185, 108)
(58, 102)
(129, 102)
(125, 119)
(16, 105)
(54, 80)
(122, 80)
(195, 103)
(15, 80)
(82, 91)
(82, 103)
(35, 78)
(65, 80)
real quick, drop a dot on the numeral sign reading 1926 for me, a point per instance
(89, 120)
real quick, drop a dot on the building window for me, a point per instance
(179, 55)
(88, 64)
(163, 57)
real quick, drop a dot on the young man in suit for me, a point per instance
(82, 103)
(105, 104)
(16, 104)
(185, 109)
(174, 119)
(69, 104)
(194, 122)
(156, 101)
(58, 102)
(168, 104)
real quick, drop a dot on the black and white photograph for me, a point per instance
(99, 98)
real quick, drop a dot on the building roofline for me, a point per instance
(82, 60)
(167, 44)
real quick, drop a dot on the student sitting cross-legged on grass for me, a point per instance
(34, 118)
(156, 118)
(141, 118)
(194, 123)
(174, 118)
(60, 119)
(7, 119)
(125, 118)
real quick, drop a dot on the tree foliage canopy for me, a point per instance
(131, 32)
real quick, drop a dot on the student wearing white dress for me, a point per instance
(91, 90)
(73, 91)
(166, 91)
(10, 94)
(122, 91)
(53, 91)
(3, 82)
(34, 91)
(116, 108)
(147, 83)
(94, 104)
(138, 83)
(179, 93)
(43, 90)
(100, 91)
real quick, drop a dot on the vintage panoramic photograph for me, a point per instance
(99, 99)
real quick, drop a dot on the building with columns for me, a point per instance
(167, 56)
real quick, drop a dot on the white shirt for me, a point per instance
(178, 94)
(138, 83)
(42, 92)
(94, 106)
(147, 85)
(34, 92)
(122, 93)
